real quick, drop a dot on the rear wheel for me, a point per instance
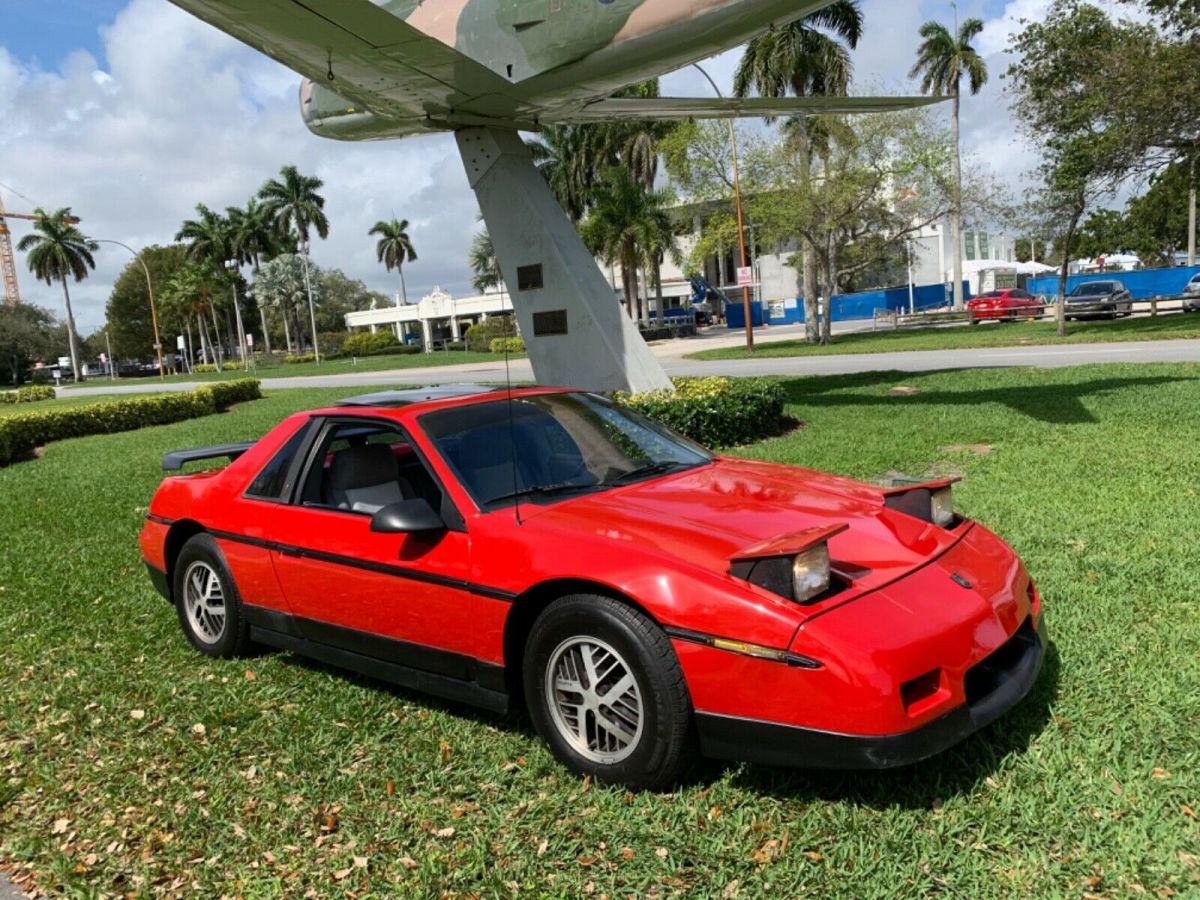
(207, 600)
(606, 692)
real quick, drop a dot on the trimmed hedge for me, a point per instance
(20, 434)
(362, 343)
(715, 411)
(479, 336)
(394, 350)
(511, 345)
(28, 394)
(228, 366)
(302, 358)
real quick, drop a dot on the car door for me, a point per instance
(403, 598)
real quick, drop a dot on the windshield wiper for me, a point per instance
(541, 490)
(650, 468)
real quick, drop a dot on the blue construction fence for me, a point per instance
(844, 306)
(1142, 284)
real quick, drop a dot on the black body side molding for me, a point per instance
(175, 460)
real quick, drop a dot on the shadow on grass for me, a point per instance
(1060, 403)
(927, 784)
(921, 786)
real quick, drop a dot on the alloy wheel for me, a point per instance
(204, 602)
(595, 700)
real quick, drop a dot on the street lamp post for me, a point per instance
(737, 203)
(162, 375)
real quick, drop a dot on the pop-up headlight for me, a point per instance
(929, 502)
(795, 566)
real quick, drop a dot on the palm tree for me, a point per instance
(942, 60)
(568, 156)
(484, 263)
(394, 248)
(253, 235)
(294, 201)
(630, 225)
(210, 239)
(55, 250)
(809, 57)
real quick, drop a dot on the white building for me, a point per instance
(933, 252)
(436, 319)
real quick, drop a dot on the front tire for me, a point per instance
(207, 600)
(607, 694)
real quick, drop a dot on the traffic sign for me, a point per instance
(745, 276)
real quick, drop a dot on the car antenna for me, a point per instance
(512, 436)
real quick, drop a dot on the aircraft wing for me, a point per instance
(378, 60)
(731, 107)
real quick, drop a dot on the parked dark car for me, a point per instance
(1191, 294)
(1094, 299)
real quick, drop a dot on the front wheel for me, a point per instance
(606, 692)
(207, 600)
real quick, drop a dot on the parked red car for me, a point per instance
(1006, 304)
(640, 595)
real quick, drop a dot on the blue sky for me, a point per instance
(44, 31)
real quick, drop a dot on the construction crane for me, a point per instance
(8, 262)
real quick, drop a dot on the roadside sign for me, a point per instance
(250, 340)
(745, 276)
(64, 362)
(179, 342)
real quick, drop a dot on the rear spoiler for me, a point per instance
(175, 460)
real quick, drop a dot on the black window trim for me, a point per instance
(291, 479)
(322, 425)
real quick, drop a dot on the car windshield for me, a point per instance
(1093, 288)
(551, 446)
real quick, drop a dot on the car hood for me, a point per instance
(706, 515)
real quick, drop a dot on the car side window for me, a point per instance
(361, 467)
(272, 482)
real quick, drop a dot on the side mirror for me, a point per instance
(407, 516)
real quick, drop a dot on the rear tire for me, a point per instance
(607, 694)
(207, 600)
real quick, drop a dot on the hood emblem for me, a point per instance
(960, 581)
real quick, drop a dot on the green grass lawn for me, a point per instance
(130, 764)
(988, 334)
(363, 364)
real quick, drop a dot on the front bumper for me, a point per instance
(995, 685)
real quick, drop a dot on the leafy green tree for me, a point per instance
(338, 295)
(298, 207)
(254, 236)
(1066, 83)
(628, 224)
(127, 314)
(1157, 221)
(55, 251)
(483, 262)
(27, 333)
(942, 61)
(210, 241)
(281, 284)
(186, 297)
(809, 57)
(571, 159)
(394, 248)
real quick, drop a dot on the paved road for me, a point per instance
(673, 361)
(7, 891)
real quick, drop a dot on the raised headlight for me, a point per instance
(941, 507)
(810, 573)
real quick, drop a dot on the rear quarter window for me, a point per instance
(272, 482)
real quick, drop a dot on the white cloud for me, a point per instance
(184, 114)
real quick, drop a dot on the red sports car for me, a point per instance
(638, 594)
(1006, 304)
